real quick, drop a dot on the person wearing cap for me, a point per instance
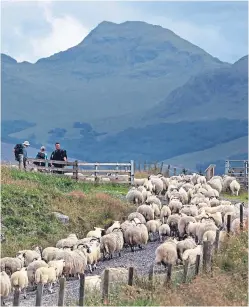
(21, 155)
(41, 155)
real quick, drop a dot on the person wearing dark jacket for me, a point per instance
(58, 155)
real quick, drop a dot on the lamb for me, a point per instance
(182, 224)
(59, 265)
(70, 241)
(5, 286)
(146, 211)
(30, 255)
(165, 213)
(138, 216)
(153, 227)
(166, 253)
(235, 187)
(46, 275)
(32, 267)
(19, 280)
(190, 255)
(116, 224)
(134, 196)
(188, 243)
(97, 232)
(164, 230)
(11, 265)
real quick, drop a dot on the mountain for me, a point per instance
(127, 91)
(209, 95)
(118, 70)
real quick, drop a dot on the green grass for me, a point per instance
(243, 196)
(29, 199)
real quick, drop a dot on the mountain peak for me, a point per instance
(7, 59)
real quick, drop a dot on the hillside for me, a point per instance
(117, 69)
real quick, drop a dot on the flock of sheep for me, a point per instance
(182, 211)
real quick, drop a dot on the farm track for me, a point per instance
(141, 260)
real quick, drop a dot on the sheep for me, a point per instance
(158, 185)
(127, 224)
(165, 213)
(182, 224)
(214, 202)
(184, 195)
(116, 224)
(166, 253)
(210, 236)
(184, 245)
(217, 218)
(226, 182)
(189, 210)
(46, 275)
(112, 242)
(235, 187)
(156, 210)
(134, 196)
(94, 256)
(19, 279)
(49, 253)
(70, 241)
(146, 211)
(203, 227)
(97, 232)
(59, 265)
(136, 236)
(164, 230)
(154, 199)
(175, 206)
(153, 227)
(32, 267)
(139, 182)
(173, 224)
(5, 286)
(11, 265)
(138, 216)
(190, 255)
(148, 185)
(30, 255)
(144, 192)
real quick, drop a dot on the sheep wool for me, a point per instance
(20, 280)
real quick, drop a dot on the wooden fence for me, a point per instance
(206, 265)
(238, 169)
(83, 170)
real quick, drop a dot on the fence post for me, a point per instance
(226, 167)
(241, 216)
(130, 276)
(82, 290)
(185, 271)
(132, 172)
(16, 301)
(197, 264)
(216, 242)
(161, 168)
(61, 291)
(207, 256)
(246, 173)
(39, 292)
(95, 173)
(174, 171)
(105, 290)
(77, 170)
(169, 271)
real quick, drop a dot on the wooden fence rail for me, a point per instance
(79, 170)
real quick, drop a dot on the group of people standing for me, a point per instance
(21, 155)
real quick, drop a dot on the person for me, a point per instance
(21, 155)
(41, 155)
(58, 155)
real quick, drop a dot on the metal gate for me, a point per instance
(238, 169)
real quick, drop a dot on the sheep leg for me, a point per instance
(132, 248)
(90, 268)
(119, 253)
(24, 293)
(50, 288)
(140, 246)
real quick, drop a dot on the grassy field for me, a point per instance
(243, 196)
(28, 200)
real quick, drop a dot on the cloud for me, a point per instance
(66, 32)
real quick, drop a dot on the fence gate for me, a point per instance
(238, 169)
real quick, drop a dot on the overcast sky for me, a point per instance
(36, 29)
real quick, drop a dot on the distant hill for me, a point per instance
(127, 91)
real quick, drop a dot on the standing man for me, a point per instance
(21, 155)
(58, 155)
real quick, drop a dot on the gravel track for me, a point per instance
(141, 260)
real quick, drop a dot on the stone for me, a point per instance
(63, 218)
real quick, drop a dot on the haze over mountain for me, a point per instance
(99, 97)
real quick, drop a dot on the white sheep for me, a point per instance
(70, 241)
(11, 265)
(138, 216)
(134, 196)
(59, 265)
(116, 224)
(183, 245)
(175, 206)
(166, 253)
(136, 235)
(49, 253)
(235, 187)
(190, 255)
(182, 224)
(210, 236)
(5, 286)
(19, 280)
(146, 211)
(46, 275)
(32, 267)
(153, 199)
(153, 227)
(165, 213)
(30, 255)
(164, 230)
(97, 232)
